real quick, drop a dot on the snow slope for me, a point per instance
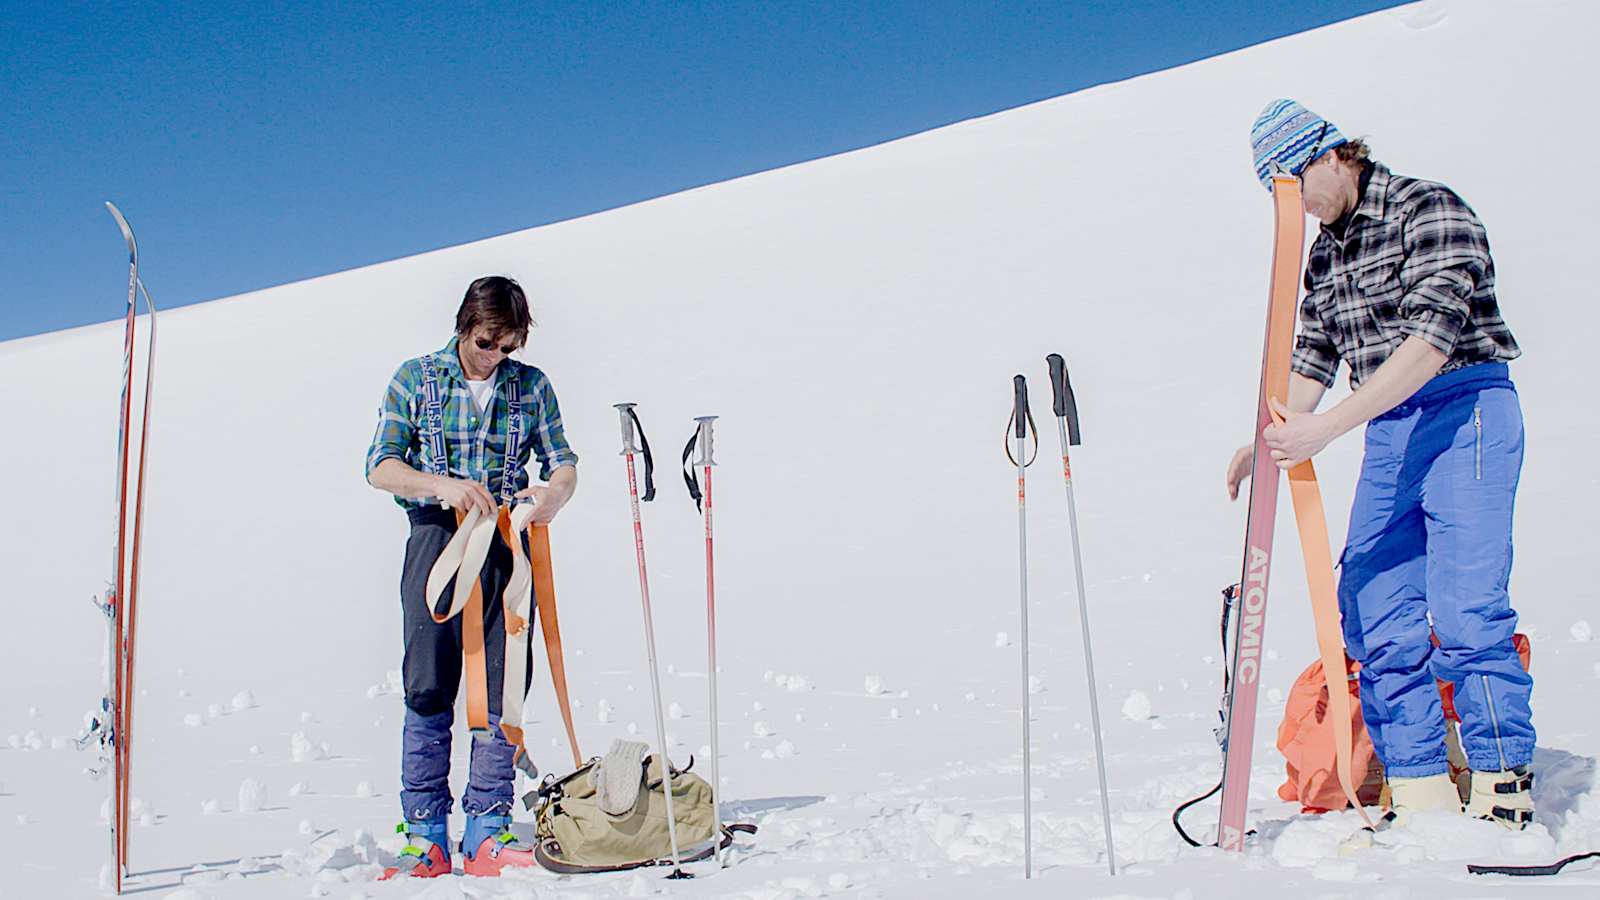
(855, 321)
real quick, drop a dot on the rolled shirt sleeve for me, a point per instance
(1446, 256)
(1315, 354)
(550, 446)
(396, 420)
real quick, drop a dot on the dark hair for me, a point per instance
(1353, 151)
(496, 302)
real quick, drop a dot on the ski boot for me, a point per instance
(425, 854)
(1408, 796)
(1504, 798)
(489, 846)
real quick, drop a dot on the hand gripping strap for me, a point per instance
(462, 560)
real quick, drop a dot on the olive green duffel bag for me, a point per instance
(611, 815)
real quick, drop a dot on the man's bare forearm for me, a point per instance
(565, 480)
(1407, 369)
(1304, 393)
(399, 479)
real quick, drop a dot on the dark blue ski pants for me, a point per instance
(432, 674)
(1429, 550)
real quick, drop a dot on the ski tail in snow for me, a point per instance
(112, 728)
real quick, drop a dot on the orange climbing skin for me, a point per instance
(1284, 291)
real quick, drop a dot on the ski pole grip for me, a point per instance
(704, 441)
(1064, 403)
(624, 411)
(1058, 382)
(1019, 407)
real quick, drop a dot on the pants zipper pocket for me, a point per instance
(1477, 427)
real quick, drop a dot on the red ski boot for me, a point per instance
(424, 855)
(490, 845)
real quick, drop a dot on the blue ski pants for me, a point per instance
(1429, 551)
(432, 674)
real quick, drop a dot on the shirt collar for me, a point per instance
(1374, 200)
(449, 358)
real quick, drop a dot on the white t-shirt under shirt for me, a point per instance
(482, 392)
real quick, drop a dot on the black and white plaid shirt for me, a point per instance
(1413, 260)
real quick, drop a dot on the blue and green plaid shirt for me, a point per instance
(475, 441)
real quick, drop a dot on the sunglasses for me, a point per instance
(486, 344)
(1316, 151)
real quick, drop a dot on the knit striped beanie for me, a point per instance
(1289, 136)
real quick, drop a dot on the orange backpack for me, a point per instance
(1307, 743)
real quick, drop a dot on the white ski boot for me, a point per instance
(1407, 797)
(1504, 798)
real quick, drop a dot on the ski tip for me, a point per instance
(127, 232)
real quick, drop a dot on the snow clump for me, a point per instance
(1137, 706)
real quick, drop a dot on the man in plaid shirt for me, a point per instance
(459, 427)
(1400, 286)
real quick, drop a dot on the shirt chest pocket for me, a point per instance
(1379, 290)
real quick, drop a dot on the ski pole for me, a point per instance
(703, 440)
(629, 422)
(1021, 417)
(1066, 410)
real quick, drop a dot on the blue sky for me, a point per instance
(253, 144)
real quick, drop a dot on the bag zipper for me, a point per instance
(1477, 427)
(1494, 721)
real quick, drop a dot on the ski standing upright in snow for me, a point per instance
(112, 728)
(1238, 729)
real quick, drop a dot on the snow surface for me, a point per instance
(855, 321)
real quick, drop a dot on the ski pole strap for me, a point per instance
(1021, 421)
(649, 460)
(1063, 402)
(508, 476)
(689, 478)
(1529, 871)
(437, 461)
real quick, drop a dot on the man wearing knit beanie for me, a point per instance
(1400, 287)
